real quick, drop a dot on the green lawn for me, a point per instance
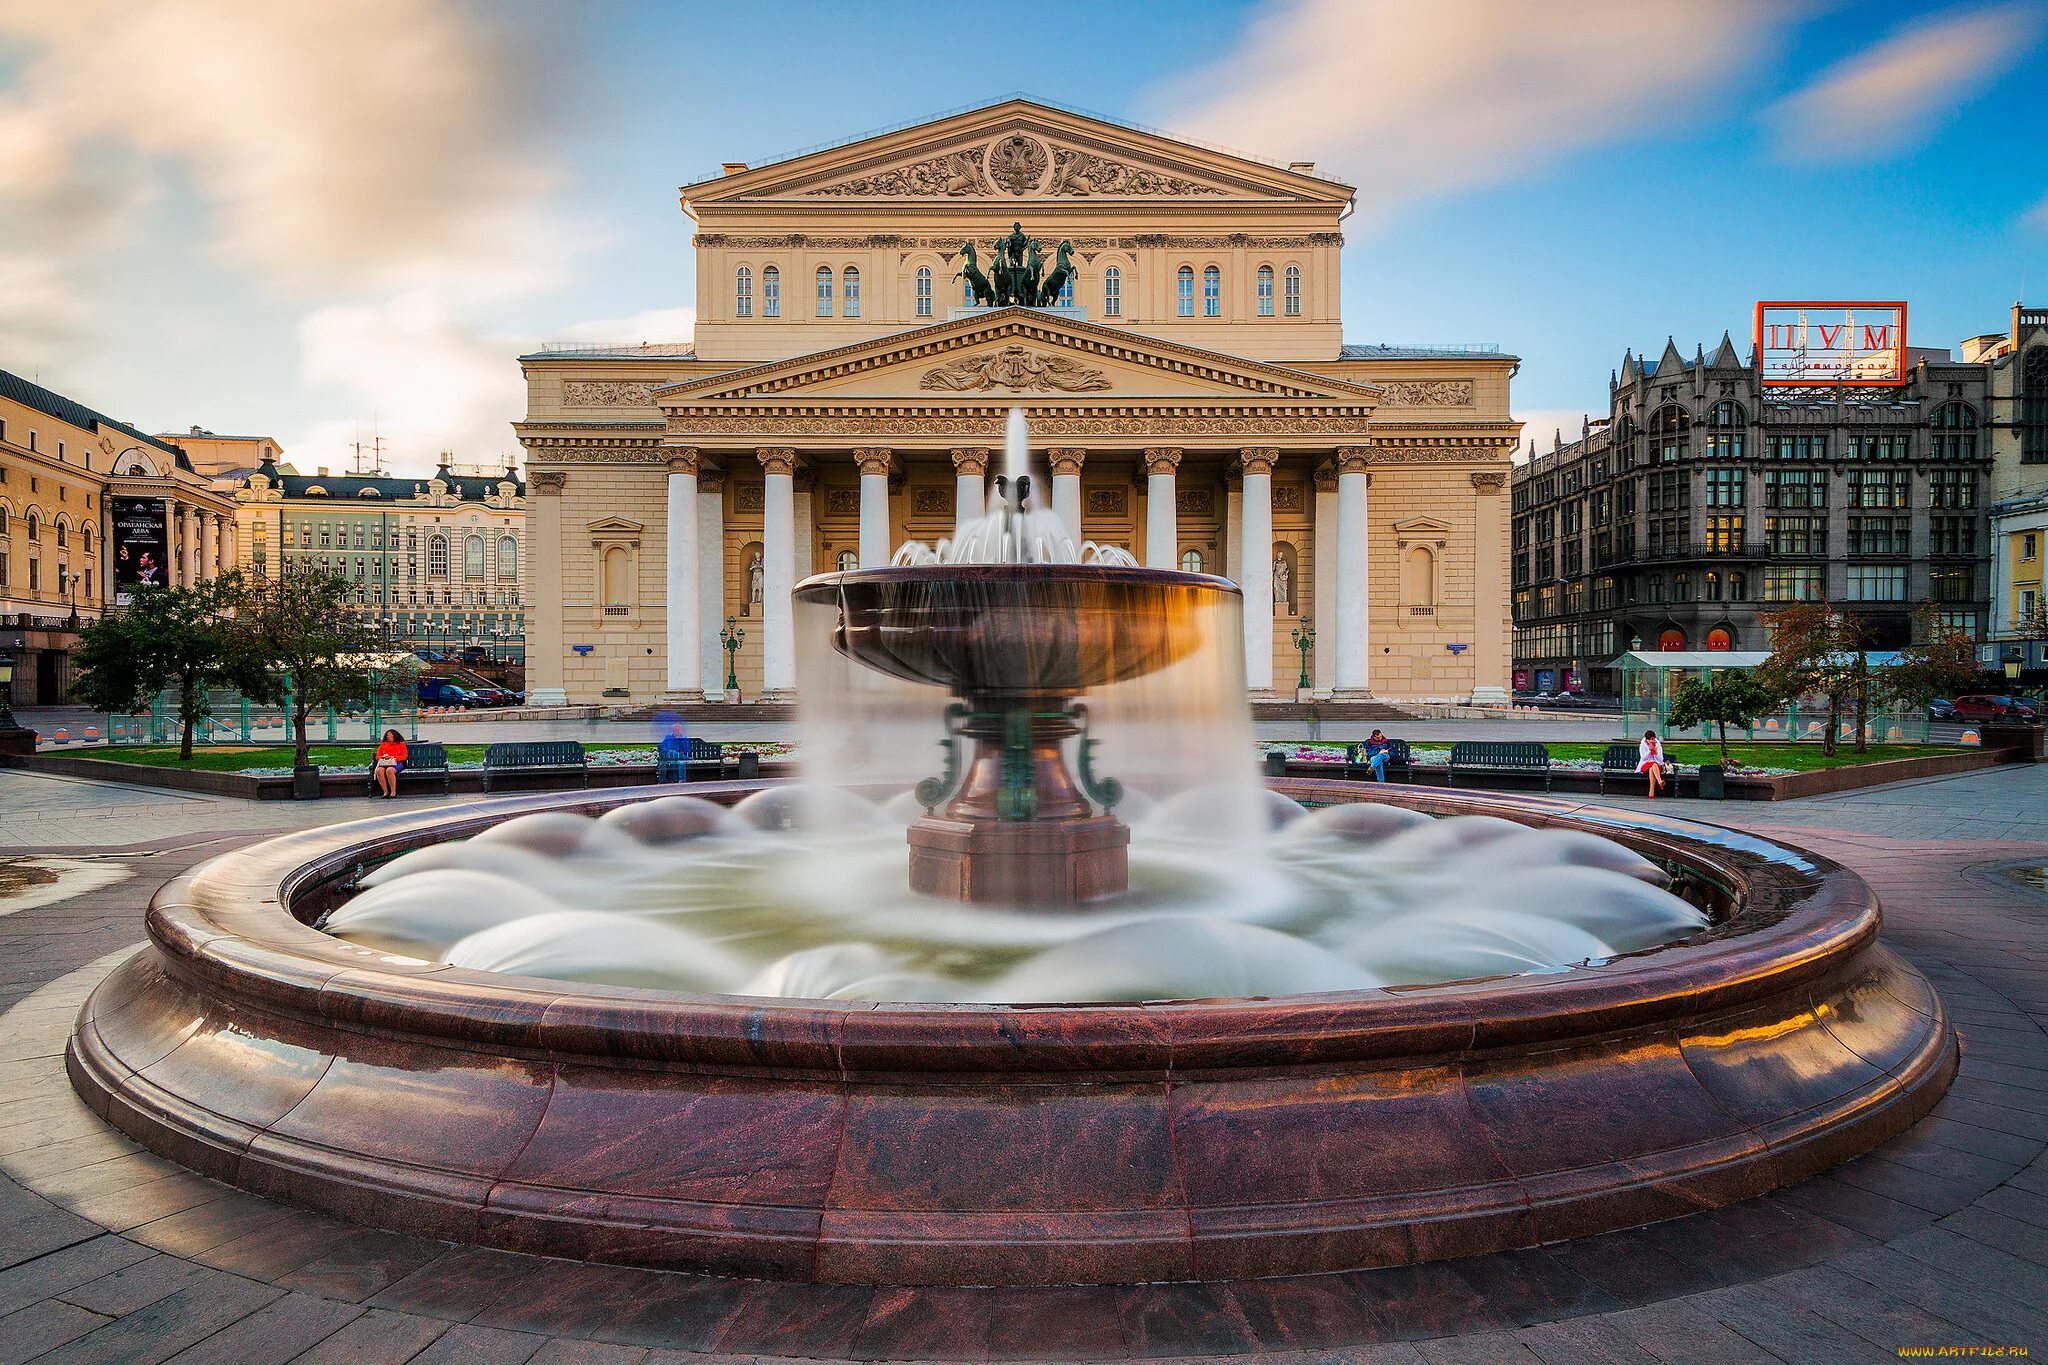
(230, 758)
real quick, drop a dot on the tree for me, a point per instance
(319, 653)
(1726, 694)
(183, 640)
(1817, 650)
(1940, 663)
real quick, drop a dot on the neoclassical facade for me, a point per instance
(1189, 392)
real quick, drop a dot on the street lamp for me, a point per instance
(1305, 641)
(67, 588)
(732, 637)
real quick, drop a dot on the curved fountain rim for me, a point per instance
(1136, 576)
(226, 925)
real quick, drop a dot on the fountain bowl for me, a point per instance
(969, 1144)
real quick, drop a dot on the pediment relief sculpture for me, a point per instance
(606, 393)
(1016, 368)
(1018, 165)
(1427, 393)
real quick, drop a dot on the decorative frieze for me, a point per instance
(712, 426)
(1193, 502)
(749, 497)
(606, 393)
(1081, 174)
(931, 502)
(1016, 368)
(1107, 502)
(1016, 165)
(1289, 497)
(1427, 393)
(952, 175)
(842, 502)
(947, 246)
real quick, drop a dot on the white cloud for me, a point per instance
(1413, 99)
(655, 324)
(1889, 96)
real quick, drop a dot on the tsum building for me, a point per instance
(1189, 389)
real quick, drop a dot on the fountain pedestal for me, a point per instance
(1040, 863)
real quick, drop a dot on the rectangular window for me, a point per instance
(1952, 488)
(1805, 446)
(1266, 292)
(1952, 584)
(743, 294)
(924, 293)
(1113, 293)
(771, 293)
(1294, 291)
(852, 292)
(1792, 584)
(1669, 492)
(824, 293)
(1724, 445)
(1796, 489)
(1184, 293)
(1796, 535)
(1877, 582)
(1951, 535)
(1879, 535)
(1879, 487)
(1212, 293)
(1724, 534)
(1880, 445)
(1954, 445)
(1724, 488)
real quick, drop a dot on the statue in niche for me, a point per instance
(1283, 590)
(756, 582)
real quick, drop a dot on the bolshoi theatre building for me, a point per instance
(1184, 372)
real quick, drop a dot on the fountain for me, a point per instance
(1079, 1002)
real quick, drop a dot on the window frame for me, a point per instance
(1263, 291)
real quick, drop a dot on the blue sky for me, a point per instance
(309, 221)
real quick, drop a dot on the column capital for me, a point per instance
(1489, 480)
(710, 478)
(1325, 476)
(872, 459)
(1353, 459)
(1066, 459)
(1259, 459)
(1162, 459)
(777, 459)
(971, 461)
(546, 480)
(684, 460)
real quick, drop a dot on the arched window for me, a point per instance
(1113, 293)
(1655, 585)
(2034, 406)
(824, 291)
(63, 535)
(1294, 291)
(743, 292)
(1681, 587)
(1212, 292)
(1265, 291)
(1955, 432)
(85, 531)
(771, 292)
(1191, 561)
(1184, 292)
(437, 556)
(966, 293)
(848, 561)
(1727, 413)
(924, 291)
(1672, 638)
(473, 559)
(1067, 291)
(852, 279)
(617, 566)
(1720, 637)
(508, 557)
(35, 527)
(1418, 578)
(1713, 588)
(1670, 428)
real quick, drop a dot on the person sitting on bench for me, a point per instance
(1650, 761)
(390, 761)
(1377, 749)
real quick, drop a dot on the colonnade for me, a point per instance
(696, 553)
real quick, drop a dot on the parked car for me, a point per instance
(1991, 706)
(1941, 708)
(441, 692)
(473, 654)
(495, 696)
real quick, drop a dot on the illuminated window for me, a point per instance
(1265, 291)
(1184, 292)
(743, 292)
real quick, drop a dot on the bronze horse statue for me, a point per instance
(1062, 271)
(984, 292)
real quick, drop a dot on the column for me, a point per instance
(970, 485)
(710, 582)
(679, 609)
(1256, 566)
(1490, 589)
(803, 489)
(778, 569)
(209, 545)
(544, 647)
(1354, 605)
(1325, 676)
(1066, 487)
(873, 462)
(1162, 513)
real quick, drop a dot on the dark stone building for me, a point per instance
(1704, 500)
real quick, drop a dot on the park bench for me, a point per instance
(699, 756)
(1400, 763)
(1498, 756)
(421, 760)
(535, 756)
(1621, 760)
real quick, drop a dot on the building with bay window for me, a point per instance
(1189, 390)
(1704, 500)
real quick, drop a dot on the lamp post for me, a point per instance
(15, 738)
(732, 637)
(67, 587)
(1305, 642)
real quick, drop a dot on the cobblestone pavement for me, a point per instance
(1939, 1238)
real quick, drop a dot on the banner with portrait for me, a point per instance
(142, 546)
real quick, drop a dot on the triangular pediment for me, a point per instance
(1422, 526)
(615, 526)
(1017, 352)
(1016, 152)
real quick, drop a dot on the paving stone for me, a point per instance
(1881, 1319)
(1591, 1340)
(1680, 1332)
(273, 1334)
(466, 1345)
(138, 1285)
(587, 1353)
(378, 1337)
(43, 1327)
(64, 1269)
(171, 1324)
(1782, 1328)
